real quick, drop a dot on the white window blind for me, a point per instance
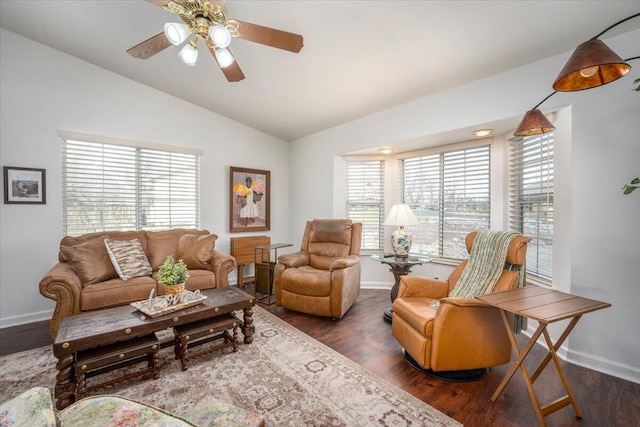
(449, 192)
(119, 187)
(531, 199)
(365, 200)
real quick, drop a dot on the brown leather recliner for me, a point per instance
(462, 334)
(323, 278)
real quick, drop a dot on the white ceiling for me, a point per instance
(359, 57)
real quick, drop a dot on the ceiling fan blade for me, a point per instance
(233, 73)
(150, 47)
(270, 36)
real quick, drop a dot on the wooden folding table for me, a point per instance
(545, 306)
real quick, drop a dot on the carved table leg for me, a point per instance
(235, 338)
(248, 329)
(183, 354)
(155, 365)
(398, 271)
(65, 388)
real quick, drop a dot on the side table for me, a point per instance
(242, 249)
(399, 267)
(264, 267)
(545, 306)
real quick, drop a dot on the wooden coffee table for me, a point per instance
(112, 325)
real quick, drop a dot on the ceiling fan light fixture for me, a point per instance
(224, 58)
(176, 32)
(189, 53)
(220, 36)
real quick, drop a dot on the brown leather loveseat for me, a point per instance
(85, 279)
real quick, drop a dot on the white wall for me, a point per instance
(597, 228)
(44, 91)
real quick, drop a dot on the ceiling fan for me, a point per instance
(208, 20)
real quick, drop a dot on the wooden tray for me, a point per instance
(162, 305)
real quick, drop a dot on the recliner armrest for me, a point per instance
(416, 286)
(294, 259)
(345, 262)
(463, 302)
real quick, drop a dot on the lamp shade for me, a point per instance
(224, 58)
(592, 64)
(534, 122)
(401, 215)
(220, 36)
(189, 54)
(176, 32)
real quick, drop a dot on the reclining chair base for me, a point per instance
(454, 376)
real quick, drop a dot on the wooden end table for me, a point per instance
(108, 326)
(545, 306)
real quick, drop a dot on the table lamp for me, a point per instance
(399, 216)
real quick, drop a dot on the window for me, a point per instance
(449, 193)
(531, 199)
(365, 200)
(122, 187)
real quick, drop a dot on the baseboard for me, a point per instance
(376, 285)
(589, 361)
(23, 319)
(619, 370)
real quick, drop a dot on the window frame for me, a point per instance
(525, 162)
(138, 179)
(442, 157)
(377, 204)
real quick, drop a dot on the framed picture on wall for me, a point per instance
(24, 185)
(250, 200)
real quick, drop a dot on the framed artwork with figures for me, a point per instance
(249, 202)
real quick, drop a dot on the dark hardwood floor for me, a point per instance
(364, 337)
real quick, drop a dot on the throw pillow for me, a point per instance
(196, 251)
(90, 260)
(128, 258)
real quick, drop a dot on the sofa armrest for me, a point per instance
(222, 264)
(345, 262)
(62, 285)
(416, 286)
(294, 259)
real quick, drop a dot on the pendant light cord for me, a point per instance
(555, 91)
(615, 25)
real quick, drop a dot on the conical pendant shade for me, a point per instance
(533, 123)
(592, 64)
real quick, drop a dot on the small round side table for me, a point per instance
(399, 267)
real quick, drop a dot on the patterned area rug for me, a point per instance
(284, 375)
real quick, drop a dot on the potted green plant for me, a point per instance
(173, 274)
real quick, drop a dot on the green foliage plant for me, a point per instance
(629, 188)
(172, 272)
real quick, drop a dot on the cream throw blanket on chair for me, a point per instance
(485, 265)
